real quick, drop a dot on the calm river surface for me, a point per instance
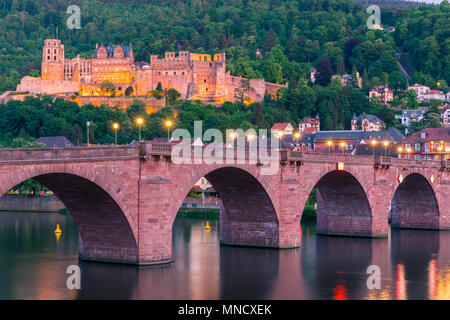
(414, 264)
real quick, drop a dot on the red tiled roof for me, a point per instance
(432, 134)
(310, 120)
(280, 126)
(434, 92)
(310, 130)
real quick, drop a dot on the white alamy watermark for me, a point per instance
(238, 147)
(374, 280)
(74, 20)
(74, 280)
(374, 21)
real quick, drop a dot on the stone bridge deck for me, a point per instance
(124, 199)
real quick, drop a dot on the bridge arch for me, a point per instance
(106, 232)
(343, 207)
(414, 204)
(247, 213)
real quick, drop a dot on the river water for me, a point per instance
(414, 264)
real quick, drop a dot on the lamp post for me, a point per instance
(139, 122)
(385, 144)
(115, 127)
(373, 142)
(88, 124)
(329, 143)
(342, 146)
(400, 150)
(409, 150)
(168, 124)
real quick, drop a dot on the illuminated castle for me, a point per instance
(195, 76)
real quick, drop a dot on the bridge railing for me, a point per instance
(153, 148)
(287, 155)
(12, 155)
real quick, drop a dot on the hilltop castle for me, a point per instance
(195, 76)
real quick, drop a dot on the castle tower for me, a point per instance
(53, 60)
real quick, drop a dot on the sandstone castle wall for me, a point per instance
(195, 76)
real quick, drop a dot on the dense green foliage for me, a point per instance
(303, 30)
(293, 36)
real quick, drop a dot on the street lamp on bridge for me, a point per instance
(139, 123)
(329, 144)
(168, 124)
(342, 146)
(115, 127)
(385, 144)
(374, 143)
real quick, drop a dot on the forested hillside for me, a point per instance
(293, 36)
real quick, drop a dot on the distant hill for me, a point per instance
(398, 4)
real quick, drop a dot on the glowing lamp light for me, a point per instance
(340, 166)
(329, 143)
(115, 125)
(432, 179)
(280, 134)
(168, 123)
(297, 135)
(373, 142)
(400, 179)
(250, 137)
(140, 121)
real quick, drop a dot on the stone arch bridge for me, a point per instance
(124, 199)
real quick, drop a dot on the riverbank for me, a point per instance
(15, 202)
(198, 213)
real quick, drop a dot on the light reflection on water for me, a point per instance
(415, 264)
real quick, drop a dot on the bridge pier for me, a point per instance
(344, 209)
(415, 205)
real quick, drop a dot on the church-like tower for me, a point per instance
(53, 60)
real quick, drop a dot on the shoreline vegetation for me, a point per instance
(46, 203)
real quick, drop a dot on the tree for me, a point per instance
(240, 93)
(411, 97)
(77, 135)
(258, 115)
(271, 40)
(172, 95)
(272, 71)
(129, 91)
(324, 72)
(340, 69)
(108, 87)
(35, 73)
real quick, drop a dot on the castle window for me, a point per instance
(167, 73)
(210, 64)
(182, 73)
(174, 73)
(204, 80)
(55, 51)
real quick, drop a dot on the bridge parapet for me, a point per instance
(75, 154)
